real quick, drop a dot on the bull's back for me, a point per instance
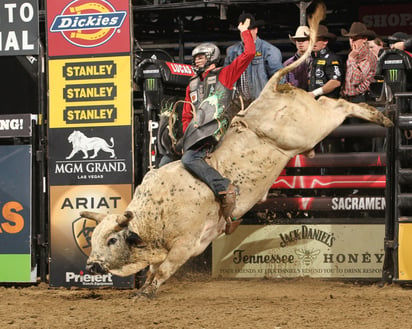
(170, 203)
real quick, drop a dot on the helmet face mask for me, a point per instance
(212, 53)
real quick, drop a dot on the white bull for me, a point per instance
(174, 216)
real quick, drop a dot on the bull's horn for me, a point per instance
(92, 215)
(125, 218)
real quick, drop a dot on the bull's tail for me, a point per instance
(314, 21)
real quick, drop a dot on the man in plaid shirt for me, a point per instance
(360, 65)
(360, 72)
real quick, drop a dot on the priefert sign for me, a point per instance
(19, 27)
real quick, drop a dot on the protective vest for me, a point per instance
(199, 89)
(213, 114)
(326, 66)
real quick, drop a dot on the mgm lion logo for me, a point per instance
(81, 142)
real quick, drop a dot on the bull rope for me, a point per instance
(172, 121)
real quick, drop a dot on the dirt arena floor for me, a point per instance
(197, 301)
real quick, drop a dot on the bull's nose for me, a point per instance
(95, 268)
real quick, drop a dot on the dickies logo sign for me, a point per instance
(89, 24)
(88, 27)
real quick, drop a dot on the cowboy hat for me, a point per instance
(302, 32)
(398, 36)
(323, 33)
(358, 29)
(253, 22)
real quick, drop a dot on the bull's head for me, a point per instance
(114, 245)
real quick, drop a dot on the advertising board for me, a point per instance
(387, 19)
(90, 92)
(90, 129)
(19, 28)
(81, 27)
(71, 234)
(289, 251)
(15, 215)
(90, 156)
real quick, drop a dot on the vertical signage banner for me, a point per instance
(82, 27)
(15, 218)
(90, 129)
(19, 27)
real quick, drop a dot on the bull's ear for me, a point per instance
(125, 218)
(135, 240)
(92, 215)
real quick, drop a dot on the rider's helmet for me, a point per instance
(212, 53)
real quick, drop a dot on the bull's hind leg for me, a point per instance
(361, 110)
(370, 113)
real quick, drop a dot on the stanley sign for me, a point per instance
(90, 91)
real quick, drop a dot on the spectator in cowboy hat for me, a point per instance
(361, 63)
(358, 30)
(299, 77)
(326, 72)
(360, 72)
(267, 61)
(397, 37)
(400, 40)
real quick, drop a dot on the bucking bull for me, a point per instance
(174, 216)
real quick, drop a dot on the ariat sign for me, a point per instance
(71, 235)
(19, 28)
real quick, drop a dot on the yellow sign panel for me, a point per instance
(404, 251)
(286, 251)
(90, 92)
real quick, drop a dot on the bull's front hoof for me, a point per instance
(138, 295)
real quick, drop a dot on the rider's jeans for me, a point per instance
(193, 161)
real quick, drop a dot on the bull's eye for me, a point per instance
(111, 241)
